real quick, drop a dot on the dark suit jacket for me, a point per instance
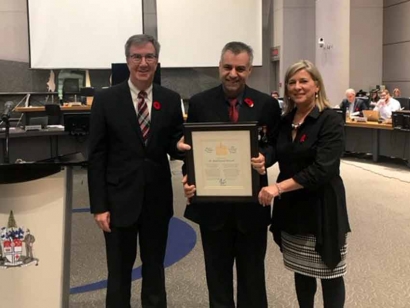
(211, 106)
(122, 171)
(359, 105)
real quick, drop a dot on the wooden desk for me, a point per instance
(377, 139)
(42, 108)
(373, 125)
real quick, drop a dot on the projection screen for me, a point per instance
(193, 32)
(88, 34)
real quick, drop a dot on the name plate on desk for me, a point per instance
(28, 128)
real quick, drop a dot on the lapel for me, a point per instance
(156, 114)
(247, 113)
(219, 106)
(286, 125)
(130, 113)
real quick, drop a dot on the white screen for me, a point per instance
(88, 34)
(192, 33)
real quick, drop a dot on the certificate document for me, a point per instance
(225, 158)
(219, 163)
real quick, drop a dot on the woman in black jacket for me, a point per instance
(309, 220)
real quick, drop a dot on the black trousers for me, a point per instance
(121, 246)
(221, 248)
(333, 291)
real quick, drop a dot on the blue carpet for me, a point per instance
(181, 240)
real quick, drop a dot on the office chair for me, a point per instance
(71, 88)
(87, 93)
(53, 111)
(366, 101)
(404, 102)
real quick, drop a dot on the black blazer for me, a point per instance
(211, 106)
(123, 172)
(359, 105)
(313, 161)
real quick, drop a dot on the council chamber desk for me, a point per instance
(377, 139)
(40, 145)
(38, 111)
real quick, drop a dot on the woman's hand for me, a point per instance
(267, 194)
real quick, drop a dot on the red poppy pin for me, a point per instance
(303, 138)
(248, 102)
(357, 109)
(157, 105)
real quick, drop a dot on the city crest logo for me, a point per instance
(12, 241)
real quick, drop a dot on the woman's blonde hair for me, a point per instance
(396, 92)
(321, 100)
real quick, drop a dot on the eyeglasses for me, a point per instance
(149, 57)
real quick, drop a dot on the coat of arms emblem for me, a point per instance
(12, 241)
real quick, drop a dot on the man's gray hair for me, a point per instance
(238, 47)
(352, 91)
(141, 39)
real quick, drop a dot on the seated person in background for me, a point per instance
(275, 95)
(362, 94)
(387, 104)
(396, 92)
(374, 97)
(352, 104)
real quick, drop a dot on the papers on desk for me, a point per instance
(55, 126)
(356, 113)
(3, 129)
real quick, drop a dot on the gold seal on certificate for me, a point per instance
(219, 164)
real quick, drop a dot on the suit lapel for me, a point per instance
(246, 113)
(154, 112)
(220, 107)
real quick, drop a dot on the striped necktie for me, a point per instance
(233, 111)
(143, 115)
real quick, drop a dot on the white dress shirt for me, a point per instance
(134, 95)
(386, 109)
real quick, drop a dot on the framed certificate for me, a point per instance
(219, 163)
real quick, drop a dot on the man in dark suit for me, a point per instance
(353, 104)
(235, 232)
(134, 125)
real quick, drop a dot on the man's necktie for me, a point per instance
(233, 111)
(143, 114)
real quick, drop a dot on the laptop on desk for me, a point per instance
(371, 115)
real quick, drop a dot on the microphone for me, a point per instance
(8, 108)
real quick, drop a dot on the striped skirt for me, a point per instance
(299, 256)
